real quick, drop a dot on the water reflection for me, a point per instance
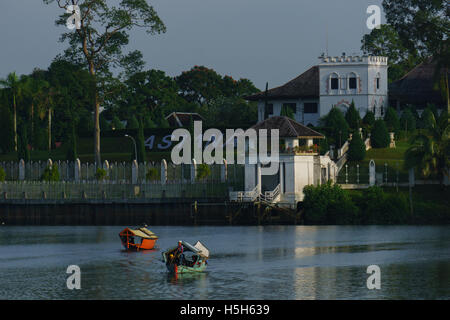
(279, 262)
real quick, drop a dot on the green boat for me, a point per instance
(186, 258)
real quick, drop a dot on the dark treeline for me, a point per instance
(55, 105)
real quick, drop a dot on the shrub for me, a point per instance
(338, 131)
(357, 148)
(100, 174)
(408, 121)
(392, 121)
(380, 135)
(203, 171)
(132, 123)
(377, 207)
(51, 173)
(369, 118)
(328, 204)
(352, 116)
(117, 124)
(2, 174)
(152, 174)
(427, 118)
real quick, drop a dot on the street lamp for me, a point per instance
(135, 148)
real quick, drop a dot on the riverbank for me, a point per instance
(173, 212)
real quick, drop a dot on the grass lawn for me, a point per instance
(393, 157)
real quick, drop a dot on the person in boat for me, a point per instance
(180, 253)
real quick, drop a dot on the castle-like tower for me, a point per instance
(363, 79)
(334, 82)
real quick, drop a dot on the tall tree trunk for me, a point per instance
(33, 139)
(15, 122)
(97, 156)
(49, 129)
(98, 160)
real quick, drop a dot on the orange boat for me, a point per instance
(138, 239)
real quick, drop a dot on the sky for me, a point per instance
(270, 41)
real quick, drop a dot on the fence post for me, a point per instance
(224, 171)
(134, 172)
(106, 167)
(21, 170)
(193, 170)
(77, 168)
(163, 171)
(371, 172)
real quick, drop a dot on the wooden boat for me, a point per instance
(186, 258)
(138, 239)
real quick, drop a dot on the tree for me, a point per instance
(424, 26)
(51, 173)
(6, 129)
(22, 148)
(72, 145)
(203, 171)
(337, 126)
(199, 85)
(428, 118)
(150, 94)
(328, 204)
(104, 124)
(430, 150)
(392, 121)
(140, 142)
(408, 121)
(35, 86)
(117, 124)
(386, 42)
(357, 148)
(133, 123)
(352, 117)
(380, 135)
(369, 118)
(14, 86)
(100, 39)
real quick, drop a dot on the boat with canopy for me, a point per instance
(138, 239)
(186, 258)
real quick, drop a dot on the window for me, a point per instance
(269, 109)
(334, 83)
(352, 83)
(378, 83)
(310, 107)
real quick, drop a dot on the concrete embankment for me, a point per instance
(173, 212)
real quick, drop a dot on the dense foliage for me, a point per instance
(357, 148)
(329, 204)
(380, 135)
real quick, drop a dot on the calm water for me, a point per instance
(282, 262)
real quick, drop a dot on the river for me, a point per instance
(271, 262)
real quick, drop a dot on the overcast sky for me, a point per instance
(262, 40)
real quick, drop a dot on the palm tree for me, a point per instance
(36, 89)
(430, 150)
(13, 84)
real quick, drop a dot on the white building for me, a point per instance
(300, 164)
(335, 81)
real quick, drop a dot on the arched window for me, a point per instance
(353, 81)
(334, 81)
(378, 81)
